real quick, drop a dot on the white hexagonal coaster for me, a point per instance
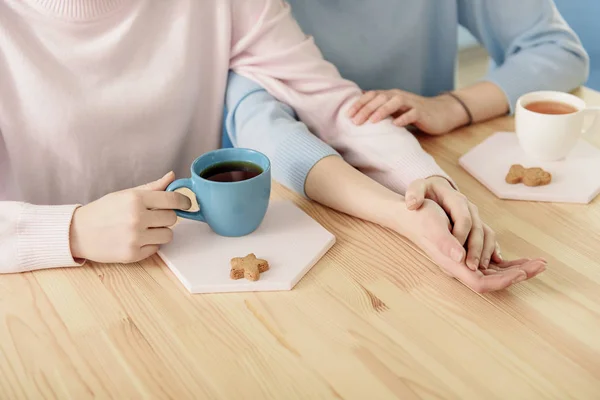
(290, 240)
(575, 179)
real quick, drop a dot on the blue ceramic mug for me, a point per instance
(229, 208)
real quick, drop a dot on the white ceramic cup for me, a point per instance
(550, 137)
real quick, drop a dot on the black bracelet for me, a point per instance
(462, 103)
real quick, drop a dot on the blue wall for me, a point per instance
(584, 17)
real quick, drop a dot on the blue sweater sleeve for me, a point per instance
(531, 45)
(254, 119)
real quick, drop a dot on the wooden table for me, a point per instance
(373, 320)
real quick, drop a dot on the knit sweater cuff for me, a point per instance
(296, 155)
(411, 167)
(43, 237)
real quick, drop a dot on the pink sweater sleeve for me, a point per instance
(34, 237)
(270, 48)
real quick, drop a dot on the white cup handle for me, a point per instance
(595, 125)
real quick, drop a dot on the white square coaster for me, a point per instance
(290, 240)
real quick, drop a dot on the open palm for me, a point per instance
(432, 232)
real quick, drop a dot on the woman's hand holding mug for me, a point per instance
(130, 225)
(127, 226)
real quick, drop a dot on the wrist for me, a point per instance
(439, 180)
(458, 114)
(484, 100)
(398, 221)
(75, 235)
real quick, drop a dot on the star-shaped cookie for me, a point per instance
(248, 267)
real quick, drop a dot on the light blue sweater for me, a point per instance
(410, 45)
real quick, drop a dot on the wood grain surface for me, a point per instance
(373, 320)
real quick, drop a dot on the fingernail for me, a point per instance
(498, 251)
(473, 264)
(411, 202)
(167, 174)
(520, 278)
(456, 255)
(486, 263)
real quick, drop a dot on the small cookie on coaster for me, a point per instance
(248, 267)
(515, 174)
(536, 177)
(528, 176)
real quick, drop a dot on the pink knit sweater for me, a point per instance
(102, 95)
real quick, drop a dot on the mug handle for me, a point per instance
(595, 125)
(185, 183)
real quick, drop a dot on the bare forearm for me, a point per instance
(336, 184)
(485, 100)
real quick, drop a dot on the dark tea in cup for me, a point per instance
(231, 171)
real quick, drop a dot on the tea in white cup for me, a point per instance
(548, 124)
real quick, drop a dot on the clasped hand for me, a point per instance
(448, 228)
